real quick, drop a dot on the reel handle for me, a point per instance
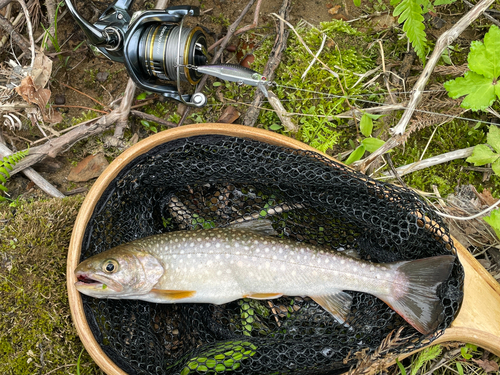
(117, 35)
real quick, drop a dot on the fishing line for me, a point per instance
(248, 104)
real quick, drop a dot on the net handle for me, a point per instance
(478, 321)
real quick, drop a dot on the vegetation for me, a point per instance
(36, 332)
(7, 164)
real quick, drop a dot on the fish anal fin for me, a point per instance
(337, 303)
(262, 295)
(172, 295)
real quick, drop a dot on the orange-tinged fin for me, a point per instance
(338, 303)
(419, 305)
(262, 295)
(173, 295)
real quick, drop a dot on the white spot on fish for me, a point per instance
(294, 273)
(219, 272)
(282, 268)
(198, 239)
(228, 271)
(342, 261)
(266, 249)
(372, 268)
(275, 257)
(268, 265)
(240, 263)
(279, 251)
(217, 257)
(257, 251)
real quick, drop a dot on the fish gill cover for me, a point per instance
(210, 181)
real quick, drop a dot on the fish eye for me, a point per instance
(110, 266)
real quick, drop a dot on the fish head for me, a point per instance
(121, 272)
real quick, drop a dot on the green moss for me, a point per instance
(449, 137)
(36, 332)
(308, 97)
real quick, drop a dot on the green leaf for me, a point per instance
(401, 367)
(493, 138)
(479, 90)
(443, 2)
(357, 2)
(410, 12)
(276, 127)
(485, 58)
(460, 368)
(142, 96)
(356, 155)
(372, 144)
(366, 125)
(216, 84)
(482, 155)
(496, 167)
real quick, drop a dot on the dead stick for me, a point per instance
(274, 59)
(444, 41)
(244, 28)
(145, 116)
(4, 3)
(281, 112)
(34, 176)
(230, 32)
(16, 37)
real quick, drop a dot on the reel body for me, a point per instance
(153, 45)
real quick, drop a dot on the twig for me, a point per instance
(4, 3)
(442, 43)
(429, 162)
(272, 63)
(51, 6)
(82, 93)
(253, 25)
(16, 37)
(30, 30)
(315, 57)
(225, 41)
(444, 40)
(34, 176)
(145, 116)
(485, 14)
(281, 112)
(78, 106)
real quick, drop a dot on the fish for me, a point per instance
(248, 260)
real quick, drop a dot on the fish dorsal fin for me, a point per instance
(262, 227)
(337, 303)
(262, 295)
(172, 295)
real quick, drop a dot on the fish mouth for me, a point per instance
(88, 282)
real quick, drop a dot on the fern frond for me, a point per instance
(6, 165)
(410, 12)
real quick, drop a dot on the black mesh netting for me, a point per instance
(211, 180)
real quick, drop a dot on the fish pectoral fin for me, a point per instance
(173, 295)
(262, 295)
(338, 304)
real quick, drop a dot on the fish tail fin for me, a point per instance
(419, 304)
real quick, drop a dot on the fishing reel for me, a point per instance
(153, 45)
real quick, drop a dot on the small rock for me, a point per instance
(247, 61)
(59, 99)
(90, 167)
(102, 76)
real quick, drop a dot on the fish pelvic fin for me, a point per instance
(337, 303)
(419, 305)
(172, 295)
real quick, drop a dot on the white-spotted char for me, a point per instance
(221, 265)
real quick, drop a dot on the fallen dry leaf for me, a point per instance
(487, 198)
(42, 69)
(334, 10)
(487, 365)
(40, 97)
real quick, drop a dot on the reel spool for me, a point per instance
(153, 45)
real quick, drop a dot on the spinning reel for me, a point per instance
(153, 45)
